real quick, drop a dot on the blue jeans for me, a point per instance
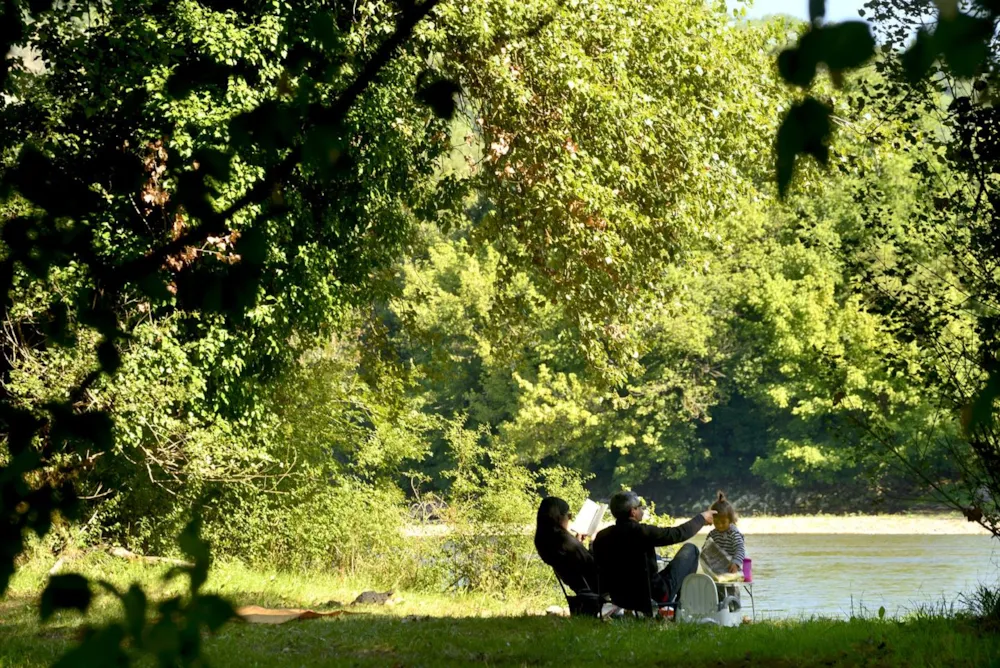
(684, 563)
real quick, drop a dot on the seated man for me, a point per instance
(620, 547)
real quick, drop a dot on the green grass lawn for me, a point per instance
(432, 630)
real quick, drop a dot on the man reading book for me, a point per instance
(624, 544)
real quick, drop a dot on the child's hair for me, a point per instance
(723, 507)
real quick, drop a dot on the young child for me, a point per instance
(726, 535)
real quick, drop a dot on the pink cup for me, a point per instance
(747, 575)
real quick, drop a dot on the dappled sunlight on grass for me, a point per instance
(430, 629)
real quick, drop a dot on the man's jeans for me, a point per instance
(684, 563)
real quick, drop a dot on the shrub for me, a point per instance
(984, 603)
(491, 513)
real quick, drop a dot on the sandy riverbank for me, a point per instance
(949, 525)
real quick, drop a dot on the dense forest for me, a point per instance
(562, 266)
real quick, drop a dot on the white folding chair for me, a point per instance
(701, 602)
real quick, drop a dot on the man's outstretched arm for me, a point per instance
(658, 536)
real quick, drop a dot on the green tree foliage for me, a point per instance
(616, 137)
(181, 217)
(767, 338)
(269, 263)
(930, 272)
(754, 313)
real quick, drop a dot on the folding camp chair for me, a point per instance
(727, 585)
(629, 587)
(587, 603)
(702, 601)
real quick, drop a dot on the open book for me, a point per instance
(589, 519)
(715, 562)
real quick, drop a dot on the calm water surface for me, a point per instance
(806, 575)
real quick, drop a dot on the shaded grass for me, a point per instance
(436, 629)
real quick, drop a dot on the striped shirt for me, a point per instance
(731, 541)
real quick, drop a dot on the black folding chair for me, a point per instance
(629, 586)
(587, 603)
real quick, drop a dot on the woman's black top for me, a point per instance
(569, 558)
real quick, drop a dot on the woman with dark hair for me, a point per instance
(561, 550)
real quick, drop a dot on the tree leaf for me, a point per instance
(804, 129)
(70, 590)
(919, 58)
(846, 45)
(109, 357)
(980, 413)
(797, 66)
(439, 94)
(195, 547)
(213, 611)
(817, 9)
(99, 649)
(134, 602)
(964, 42)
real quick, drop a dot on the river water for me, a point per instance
(825, 575)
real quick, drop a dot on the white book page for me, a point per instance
(589, 516)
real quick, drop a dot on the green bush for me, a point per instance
(491, 513)
(341, 525)
(984, 603)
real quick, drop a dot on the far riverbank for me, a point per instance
(910, 524)
(939, 524)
